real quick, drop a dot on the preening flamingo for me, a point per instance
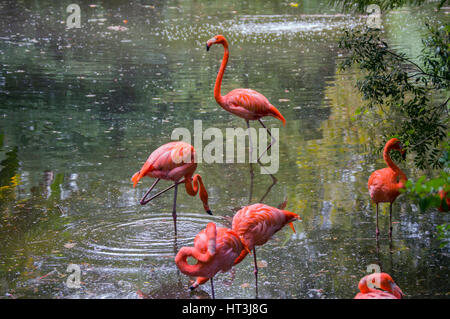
(172, 161)
(215, 249)
(256, 224)
(390, 290)
(384, 184)
(245, 103)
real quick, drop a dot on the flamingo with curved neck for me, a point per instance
(215, 249)
(172, 161)
(246, 103)
(383, 281)
(385, 184)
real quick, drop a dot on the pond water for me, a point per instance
(81, 110)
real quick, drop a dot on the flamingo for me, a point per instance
(444, 199)
(215, 249)
(385, 184)
(390, 290)
(246, 103)
(256, 224)
(172, 161)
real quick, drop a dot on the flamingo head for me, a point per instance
(384, 282)
(398, 146)
(218, 39)
(388, 284)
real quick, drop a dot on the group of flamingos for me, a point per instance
(219, 248)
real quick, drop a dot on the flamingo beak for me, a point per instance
(209, 43)
(403, 154)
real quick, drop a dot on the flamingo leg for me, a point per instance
(377, 231)
(250, 161)
(174, 209)
(145, 201)
(255, 271)
(272, 141)
(251, 184)
(268, 190)
(212, 288)
(390, 221)
(268, 147)
(250, 142)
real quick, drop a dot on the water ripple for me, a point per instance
(133, 240)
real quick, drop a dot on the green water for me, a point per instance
(81, 110)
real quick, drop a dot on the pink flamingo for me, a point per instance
(256, 224)
(172, 161)
(245, 103)
(385, 184)
(390, 290)
(444, 199)
(215, 249)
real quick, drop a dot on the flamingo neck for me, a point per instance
(193, 186)
(390, 163)
(184, 266)
(205, 259)
(365, 289)
(219, 98)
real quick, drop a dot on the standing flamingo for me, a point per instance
(384, 184)
(172, 161)
(256, 224)
(245, 103)
(215, 249)
(390, 290)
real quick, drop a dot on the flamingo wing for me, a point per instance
(251, 105)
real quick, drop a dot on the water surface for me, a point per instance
(81, 110)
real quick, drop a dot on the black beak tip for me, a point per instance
(191, 288)
(209, 212)
(207, 47)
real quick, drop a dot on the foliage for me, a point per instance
(402, 89)
(425, 192)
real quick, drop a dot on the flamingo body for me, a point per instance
(250, 105)
(375, 295)
(257, 223)
(383, 185)
(215, 250)
(383, 281)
